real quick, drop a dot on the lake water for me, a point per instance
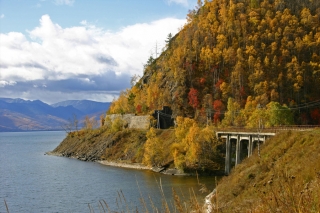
(31, 181)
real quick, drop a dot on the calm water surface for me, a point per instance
(31, 181)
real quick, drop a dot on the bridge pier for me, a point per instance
(250, 146)
(238, 150)
(228, 155)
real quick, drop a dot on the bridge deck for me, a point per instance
(222, 133)
(269, 129)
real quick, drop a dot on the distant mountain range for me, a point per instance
(24, 115)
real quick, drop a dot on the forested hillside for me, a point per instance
(235, 60)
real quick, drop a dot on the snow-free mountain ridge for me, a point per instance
(26, 115)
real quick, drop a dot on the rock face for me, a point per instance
(174, 172)
(208, 206)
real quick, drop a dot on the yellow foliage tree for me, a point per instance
(194, 145)
(232, 114)
(192, 140)
(153, 150)
(120, 106)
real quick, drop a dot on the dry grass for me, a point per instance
(102, 144)
(285, 179)
(7, 208)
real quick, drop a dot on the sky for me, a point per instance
(57, 50)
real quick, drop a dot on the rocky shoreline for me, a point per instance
(139, 166)
(124, 165)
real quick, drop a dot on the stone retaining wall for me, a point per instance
(140, 122)
(125, 117)
(132, 121)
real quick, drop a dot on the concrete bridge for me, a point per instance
(240, 145)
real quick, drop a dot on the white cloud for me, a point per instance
(84, 22)
(132, 46)
(7, 83)
(79, 57)
(58, 53)
(2, 16)
(66, 2)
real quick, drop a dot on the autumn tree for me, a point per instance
(72, 124)
(258, 119)
(153, 150)
(194, 146)
(179, 147)
(102, 120)
(193, 98)
(117, 124)
(232, 113)
(278, 115)
(218, 107)
(90, 123)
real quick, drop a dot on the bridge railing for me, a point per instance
(270, 129)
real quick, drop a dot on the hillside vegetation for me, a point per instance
(103, 144)
(286, 178)
(188, 148)
(233, 60)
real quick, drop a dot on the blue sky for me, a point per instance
(55, 50)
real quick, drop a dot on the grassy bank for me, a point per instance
(102, 144)
(286, 178)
